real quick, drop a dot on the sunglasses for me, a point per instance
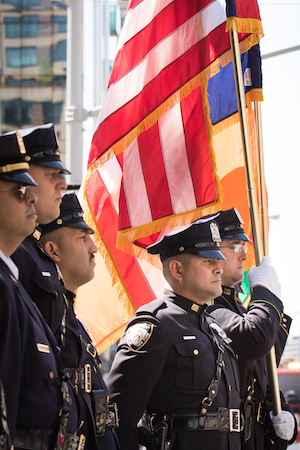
(21, 190)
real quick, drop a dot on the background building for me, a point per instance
(33, 64)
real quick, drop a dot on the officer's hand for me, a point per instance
(265, 275)
(284, 425)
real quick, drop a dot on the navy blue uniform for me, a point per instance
(39, 276)
(29, 369)
(253, 332)
(76, 333)
(164, 364)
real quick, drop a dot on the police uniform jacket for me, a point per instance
(39, 275)
(164, 363)
(77, 335)
(253, 332)
(29, 368)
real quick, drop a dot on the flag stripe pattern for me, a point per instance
(152, 163)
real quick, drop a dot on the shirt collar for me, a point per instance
(10, 264)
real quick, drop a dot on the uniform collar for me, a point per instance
(228, 291)
(232, 293)
(185, 303)
(37, 234)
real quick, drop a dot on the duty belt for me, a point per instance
(33, 439)
(105, 413)
(224, 420)
(81, 378)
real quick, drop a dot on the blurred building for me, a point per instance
(33, 59)
(32, 64)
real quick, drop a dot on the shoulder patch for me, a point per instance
(138, 334)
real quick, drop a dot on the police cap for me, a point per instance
(230, 225)
(71, 215)
(42, 146)
(201, 238)
(14, 160)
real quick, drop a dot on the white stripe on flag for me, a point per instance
(134, 187)
(111, 174)
(176, 161)
(138, 17)
(165, 52)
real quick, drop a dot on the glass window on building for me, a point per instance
(22, 4)
(123, 14)
(26, 27)
(21, 57)
(113, 19)
(16, 112)
(60, 51)
(52, 112)
(62, 23)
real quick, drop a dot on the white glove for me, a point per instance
(265, 275)
(284, 425)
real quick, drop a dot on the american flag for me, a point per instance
(152, 163)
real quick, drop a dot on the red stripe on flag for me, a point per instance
(165, 23)
(172, 78)
(154, 173)
(130, 275)
(198, 148)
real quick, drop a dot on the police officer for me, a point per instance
(253, 331)
(38, 272)
(68, 241)
(37, 397)
(173, 361)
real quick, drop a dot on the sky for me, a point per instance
(281, 132)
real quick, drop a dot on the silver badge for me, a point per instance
(220, 332)
(238, 215)
(215, 234)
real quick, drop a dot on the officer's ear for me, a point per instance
(52, 249)
(175, 268)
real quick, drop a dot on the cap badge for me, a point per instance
(20, 143)
(215, 234)
(238, 215)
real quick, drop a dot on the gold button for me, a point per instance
(229, 388)
(284, 319)
(196, 352)
(51, 375)
(59, 221)
(181, 249)
(203, 411)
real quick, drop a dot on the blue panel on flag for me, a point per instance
(221, 92)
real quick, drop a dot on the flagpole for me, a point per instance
(271, 360)
(251, 191)
(264, 209)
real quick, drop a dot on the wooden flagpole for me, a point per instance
(251, 191)
(272, 366)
